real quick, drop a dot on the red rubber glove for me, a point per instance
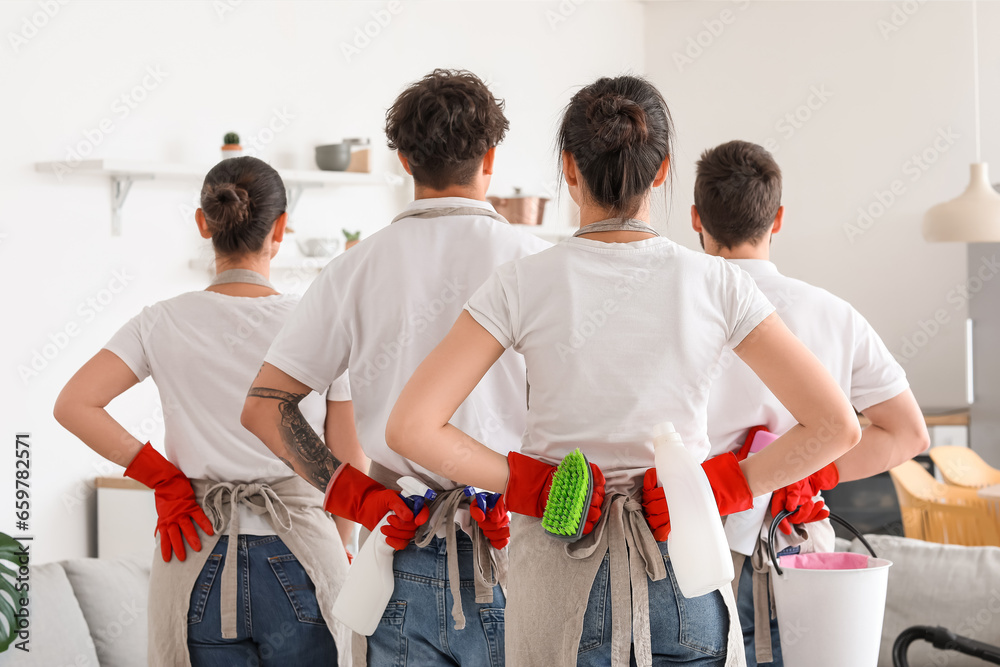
(802, 495)
(355, 496)
(529, 483)
(729, 486)
(494, 522)
(177, 511)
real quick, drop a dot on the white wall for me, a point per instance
(888, 94)
(231, 71)
(222, 72)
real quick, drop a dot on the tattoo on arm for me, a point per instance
(301, 441)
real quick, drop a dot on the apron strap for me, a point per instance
(446, 211)
(489, 566)
(617, 225)
(261, 499)
(241, 276)
(763, 604)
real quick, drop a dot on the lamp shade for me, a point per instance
(972, 217)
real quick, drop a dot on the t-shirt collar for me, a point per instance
(757, 267)
(447, 202)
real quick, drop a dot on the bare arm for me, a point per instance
(827, 427)
(342, 439)
(81, 407)
(272, 413)
(897, 434)
(418, 427)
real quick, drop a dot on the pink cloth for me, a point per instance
(761, 439)
(825, 561)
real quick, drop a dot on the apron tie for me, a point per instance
(261, 499)
(443, 511)
(634, 558)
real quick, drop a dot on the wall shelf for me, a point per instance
(123, 173)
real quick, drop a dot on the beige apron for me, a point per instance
(489, 565)
(551, 580)
(295, 510)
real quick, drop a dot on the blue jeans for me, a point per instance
(684, 631)
(417, 629)
(278, 619)
(744, 603)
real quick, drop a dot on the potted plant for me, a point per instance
(231, 145)
(352, 238)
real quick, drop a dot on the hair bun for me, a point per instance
(617, 122)
(227, 207)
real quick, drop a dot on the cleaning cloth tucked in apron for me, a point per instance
(552, 580)
(295, 510)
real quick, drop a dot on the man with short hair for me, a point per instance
(375, 312)
(737, 210)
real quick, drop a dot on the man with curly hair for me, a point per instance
(375, 313)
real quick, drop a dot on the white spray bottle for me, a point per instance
(699, 552)
(369, 584)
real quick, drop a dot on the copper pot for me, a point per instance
(520, 209)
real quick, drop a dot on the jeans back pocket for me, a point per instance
(595, 619)
(703, 621)
(298, 587)
(493, 625)
(202, 588)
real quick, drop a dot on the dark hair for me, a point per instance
(241, 199)
(443, 125)
(737, 192)
(618, 131)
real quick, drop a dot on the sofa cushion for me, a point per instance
(113, 594)
(951, 586)
(59, 632)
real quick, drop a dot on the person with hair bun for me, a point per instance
(249, 563)
(621, 329)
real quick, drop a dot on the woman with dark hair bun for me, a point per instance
(620, 329)
(233, 583)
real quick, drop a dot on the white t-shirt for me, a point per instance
(379, 309)
(840, 338)
(832, 329)
(617, 338)
(203, 350)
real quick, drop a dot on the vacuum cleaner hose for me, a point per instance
(944, 640)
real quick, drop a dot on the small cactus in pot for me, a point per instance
(352, 238)
(231, 145)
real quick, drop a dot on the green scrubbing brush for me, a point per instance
(569, 499)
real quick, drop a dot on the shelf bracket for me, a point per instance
(120, 186)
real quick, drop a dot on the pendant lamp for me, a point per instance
(973, 216)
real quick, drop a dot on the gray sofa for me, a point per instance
(91, 612)
(86, 612)
(934, 584)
